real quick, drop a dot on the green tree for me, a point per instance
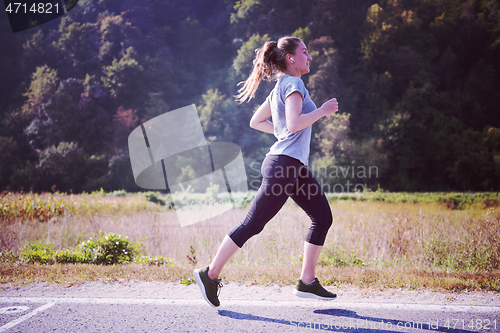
(274, 17)
(9, 151)
(242, 64)
(113, 30)
(44, 82)
(80, 44)
(126, 80)
(61, 167)
(75, 112)
(11, 73)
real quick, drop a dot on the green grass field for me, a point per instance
(440, 241)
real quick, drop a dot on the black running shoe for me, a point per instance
(210, 289)
(313, 290)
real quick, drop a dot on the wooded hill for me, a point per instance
(417, 83)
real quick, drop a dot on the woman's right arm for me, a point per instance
(260, 118)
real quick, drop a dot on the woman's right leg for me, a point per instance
(279, 173)
(279, 176)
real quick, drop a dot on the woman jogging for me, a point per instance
(284, 169)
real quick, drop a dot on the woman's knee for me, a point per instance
(326, 216)
(244, 231)
(323, 222)
(328, 220)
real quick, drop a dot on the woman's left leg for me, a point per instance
(311, 256)
(310, 197)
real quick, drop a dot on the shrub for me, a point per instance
(68, 256)
(152, 261)
(152, 197)
(8, 257)
(32, 206)
(40, 252)
(337, 257)
(108, 249)
(118, 193)
(113, 249)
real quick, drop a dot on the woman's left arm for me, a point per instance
(260, 120)
(296, 120)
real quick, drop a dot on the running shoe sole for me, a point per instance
(304, 294)
(314, 290)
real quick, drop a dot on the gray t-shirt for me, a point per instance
(296, 145)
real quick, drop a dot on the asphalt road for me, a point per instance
(63, 314)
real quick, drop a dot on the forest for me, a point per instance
(417, 82)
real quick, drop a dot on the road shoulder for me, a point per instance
(235, 291)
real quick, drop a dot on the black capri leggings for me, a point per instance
(284, 177)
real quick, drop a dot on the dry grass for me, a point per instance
(374, 244)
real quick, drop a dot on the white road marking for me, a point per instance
(13, 309)
(26, 316)
(224, 303)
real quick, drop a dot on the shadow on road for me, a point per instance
(348, 321)
(372, 321)
(245, 316)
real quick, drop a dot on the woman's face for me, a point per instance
(302, 58)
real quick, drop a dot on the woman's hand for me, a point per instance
(330, 107)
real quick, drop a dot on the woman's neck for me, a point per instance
(293, 72)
